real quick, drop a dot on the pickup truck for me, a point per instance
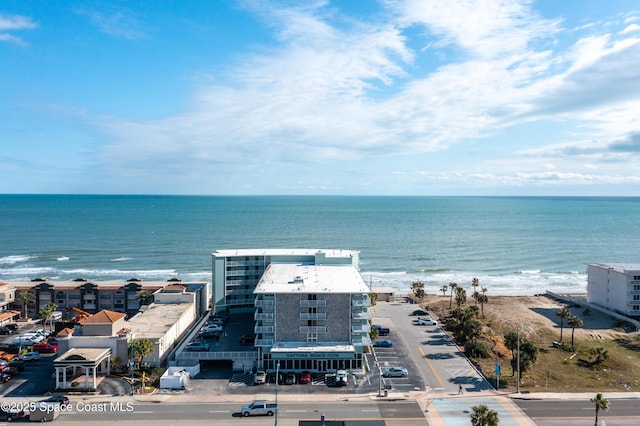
(382, 331)
(259, 408)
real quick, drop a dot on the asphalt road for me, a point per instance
(621, 412)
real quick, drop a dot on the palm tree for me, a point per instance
(601, 355)
(46, 313)
(574, 322)
(25, 297)
(600, 402)
(484, 416)
(453, 287)
(475, 283)
(563, 314)
(144, 296)
(482, 298)
(444, 289)
(418, 289)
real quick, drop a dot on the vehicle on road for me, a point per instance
(305, 377)
(59, 399)
(43, 413)
(341, 378)
(4, 377)
(30, 356)
(11, 415)
(383, 343)
(17, 363)
(260, 377)
(23, 341)
(396, 372)
(197, 347)
(259, 408)
(382, 331)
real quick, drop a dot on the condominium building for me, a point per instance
(615, 286)
(235, 273)
(311, 317)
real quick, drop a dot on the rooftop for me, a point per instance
(157, 319)
(619, 267)
(284, 252)
(299, 278)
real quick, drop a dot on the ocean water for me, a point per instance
(513, 245)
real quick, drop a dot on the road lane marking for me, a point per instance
(430, 366)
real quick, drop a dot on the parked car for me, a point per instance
(341, 378)
(197, 347)
(247, 338)
(23, 341)
(426, 321)
(10, 415)
(383, 343)
(45, 348)
(6, 331)
(30, 356)
(290, 379)
(382, 331)
(211, 328)
(260, 377)
(305, 377)
(4, 378)
(13, 326)
(419, 312)
(17, 363)
(396, 372)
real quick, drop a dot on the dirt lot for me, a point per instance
(556, 369)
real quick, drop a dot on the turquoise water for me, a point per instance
(513, 245)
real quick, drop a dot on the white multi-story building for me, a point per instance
(311, 317)
(615, 286)
(235, 273)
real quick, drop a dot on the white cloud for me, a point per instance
(119, 23)
(15, 23)
(631, 28)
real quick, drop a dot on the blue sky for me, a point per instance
(415, 97)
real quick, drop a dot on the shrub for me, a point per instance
(476, 349)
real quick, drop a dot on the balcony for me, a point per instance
(268, 329)
(360, 328)
(313, 303)
(361, 315)
(312, 329)
(245, 263)
(259, 303)
(264, 316)
(317, 316)
(632, 292)
(361, 302)
(263, 342)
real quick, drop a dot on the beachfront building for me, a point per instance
(615, 286)
(311, 317)
(235, 273)
(93, 296)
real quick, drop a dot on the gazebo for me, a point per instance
(90, 361)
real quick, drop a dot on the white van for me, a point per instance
(36, 337)
(23, 341)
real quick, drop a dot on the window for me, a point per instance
(312, 337)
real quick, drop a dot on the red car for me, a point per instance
(305, 377)
(45, 348)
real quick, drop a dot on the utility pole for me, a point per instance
(518, 362)
(132, 365)
(277, 380)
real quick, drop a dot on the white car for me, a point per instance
(260, 378)
(426, 321)
(396, 372)
(210, 328)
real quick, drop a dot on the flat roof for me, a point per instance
(157, 319)
(618, 267)
(284, 252)
(299, 278)
(102, 285)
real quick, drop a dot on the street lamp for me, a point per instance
(277, 379)
(131, 365)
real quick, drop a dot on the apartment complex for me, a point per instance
(615, 286)
(311, 317)
(94, 296)
(235, 273)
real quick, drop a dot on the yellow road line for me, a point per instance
(431, 366)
